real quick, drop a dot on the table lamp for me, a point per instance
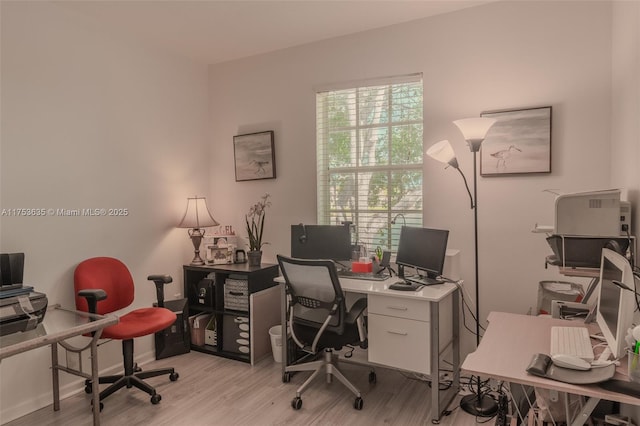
(474, 131)
(197, 217)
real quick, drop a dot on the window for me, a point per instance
(369, 151)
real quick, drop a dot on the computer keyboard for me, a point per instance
(362, 275)
(423, 280)
(571, 341)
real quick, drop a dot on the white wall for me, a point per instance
(497, 56)
(625, 102)
(625, 108)
(89, 120)
(92, 121)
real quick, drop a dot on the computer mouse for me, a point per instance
(570, 361)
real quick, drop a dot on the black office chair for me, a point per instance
(319, 321)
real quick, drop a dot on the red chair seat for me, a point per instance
(140, 322)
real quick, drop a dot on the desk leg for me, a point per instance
(455, 321)
(283, 322)
(582, 417)
(435, 361)
(95, 380)
(55, 376)
(438, 405)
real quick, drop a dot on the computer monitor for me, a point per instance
(615, 307)
(321, 242)
(423, 249)
(11, 270)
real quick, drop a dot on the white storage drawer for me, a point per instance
(398, 307)
(398, 342)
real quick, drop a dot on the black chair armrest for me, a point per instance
(356, 310)
(93, 296)
(160, 281)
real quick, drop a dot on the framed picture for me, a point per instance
(519, 142)
(219, 255)
(254, 156)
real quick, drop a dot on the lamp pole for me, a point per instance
(475, 240)
(474, 131)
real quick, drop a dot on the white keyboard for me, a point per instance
(571, 341)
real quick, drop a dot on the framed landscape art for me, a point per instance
(519, 142)
(254, 156)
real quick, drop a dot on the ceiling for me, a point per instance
(212, 31)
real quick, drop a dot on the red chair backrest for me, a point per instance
(106, 273)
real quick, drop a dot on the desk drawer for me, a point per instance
(400, 343)
(398, 307)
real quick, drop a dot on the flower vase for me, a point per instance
(255, 257)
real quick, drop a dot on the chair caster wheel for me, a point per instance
(286, 377)
(174, 376)
(373, 378)
(101, 406)
(136, 369)
(155, 399)
(296, 403)
(88, 388)
(358, 403)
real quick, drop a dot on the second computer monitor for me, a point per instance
(321, 242)
(616, 304)
(423, 249)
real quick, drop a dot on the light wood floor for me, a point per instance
(216, 391)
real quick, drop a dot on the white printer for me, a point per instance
(584, 223)
(594, 213)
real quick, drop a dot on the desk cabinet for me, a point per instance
(399, 333)
(241, 329)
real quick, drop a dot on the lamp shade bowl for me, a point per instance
(474, 130)
(197, 214)
(443, 151)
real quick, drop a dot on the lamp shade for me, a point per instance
(443, 152)
(474, 130)
(197, 214)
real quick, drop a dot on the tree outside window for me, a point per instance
(370, 153)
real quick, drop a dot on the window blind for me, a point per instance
(369, 157)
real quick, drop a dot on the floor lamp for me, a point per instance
(474, 131)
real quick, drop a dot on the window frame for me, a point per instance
(408, 216)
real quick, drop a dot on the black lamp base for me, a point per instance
(479, 405)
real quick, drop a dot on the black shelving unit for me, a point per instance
(255, 330)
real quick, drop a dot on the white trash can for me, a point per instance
(275, 333)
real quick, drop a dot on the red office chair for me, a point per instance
(108, 281)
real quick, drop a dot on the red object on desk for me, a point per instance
(361, 267)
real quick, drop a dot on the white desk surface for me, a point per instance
(510, 342)
(431, 293)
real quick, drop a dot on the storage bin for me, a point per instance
(557, 290)
(236, 294)
(235, 336)
(174, 340)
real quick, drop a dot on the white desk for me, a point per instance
(407, 330)
(510, 342)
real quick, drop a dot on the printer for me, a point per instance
(593, 213)
(585, 223)
(21, 308)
